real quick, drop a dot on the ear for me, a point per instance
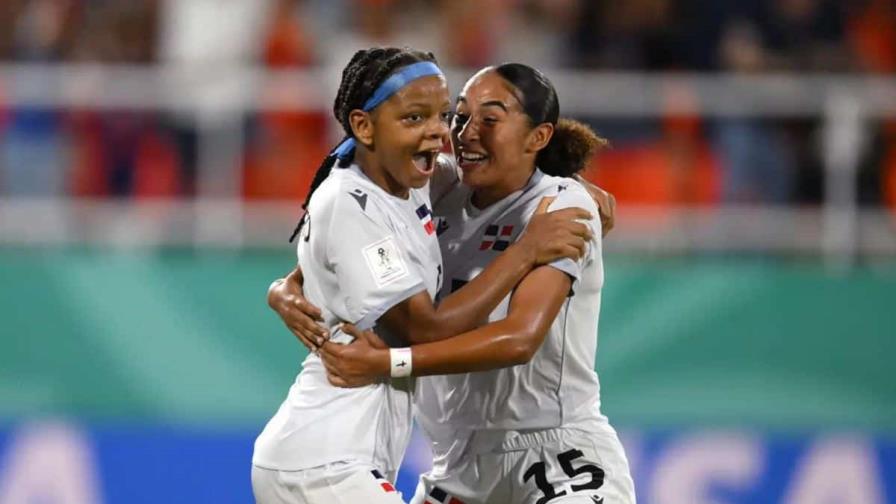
(362, 126)
(539, 137)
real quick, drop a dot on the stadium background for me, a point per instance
(153, 154)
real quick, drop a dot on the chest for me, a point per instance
(414, 229)
(470, 240)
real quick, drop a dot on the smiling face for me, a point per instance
(492, 135)
(404, 135)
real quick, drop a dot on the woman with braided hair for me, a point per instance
(512, 408)
(368, 250)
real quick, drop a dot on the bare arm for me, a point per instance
(508, 342)
(547, 237)
(417, 319)
(286, 298)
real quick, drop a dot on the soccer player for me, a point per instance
(368, 246)
(513, 411)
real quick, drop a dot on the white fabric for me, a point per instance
(595, 468)
(558, 387)
(401, 362)
(362, 252)
(339, 483)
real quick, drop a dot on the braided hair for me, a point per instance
(573, 142)
(364, 73)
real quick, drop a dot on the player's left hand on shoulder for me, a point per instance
(606, 205)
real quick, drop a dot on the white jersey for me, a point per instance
(362, 251)
(558, 387)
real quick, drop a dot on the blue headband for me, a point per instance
(388, 88)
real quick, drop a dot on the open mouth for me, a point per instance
(469, 160)
(425, 161)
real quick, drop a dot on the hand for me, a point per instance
(300, 317)
(606, 204)
(362, 362)
(557, 234)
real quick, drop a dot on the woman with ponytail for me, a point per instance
(368, 249)
(512, 407)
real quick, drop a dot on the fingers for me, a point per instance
(544, 204)
(571, 247)
(300, 312)
(307, 308)
(336, 376)
(606, 225)
(608, 220)
(573, 213)
(368, 337)
(337, 381)
(333, 375)
(310, 327)
(309, 342)
(572, 250)
(351, 330)
(330, 351)
(580, 230)
(579, 249)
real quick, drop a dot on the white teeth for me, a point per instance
(469, 156)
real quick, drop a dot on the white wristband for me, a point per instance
(401, 362)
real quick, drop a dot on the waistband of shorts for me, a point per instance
(485, 441)
(317, 471)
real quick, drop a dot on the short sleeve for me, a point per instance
(373, 270)
(572, 195)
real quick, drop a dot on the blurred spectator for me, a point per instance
(114, 154)
(534, 32)
(209, 38)
(758, 166)
(9, 10)
(34, 145)
(156, 153)
(286, 147)
(471, 31)
(371, 23)
(804, 35)
(636, 34)
(872, 35)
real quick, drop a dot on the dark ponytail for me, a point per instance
(363, 74)
(573, 142)
(570, 149)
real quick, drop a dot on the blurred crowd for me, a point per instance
(666, 160)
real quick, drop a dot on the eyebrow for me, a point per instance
(495, 103)
(492, 103)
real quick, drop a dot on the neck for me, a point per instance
(378, 173)
(484, 197)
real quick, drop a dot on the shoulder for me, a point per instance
(567, 192)
(344, 194)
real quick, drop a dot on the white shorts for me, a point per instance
(338, 483)
(556, 466)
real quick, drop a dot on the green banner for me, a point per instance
(186, 337)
